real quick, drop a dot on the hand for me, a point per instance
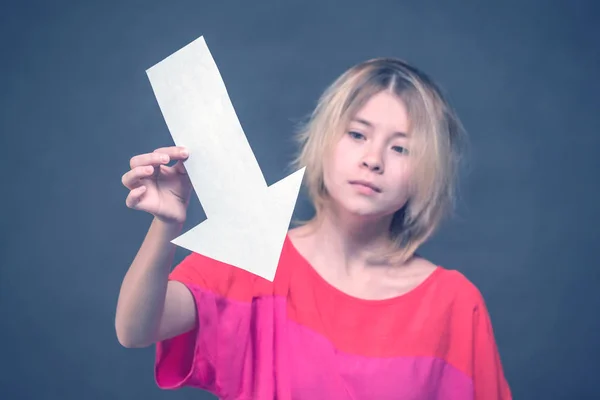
(156, 188)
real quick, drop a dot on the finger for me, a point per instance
(177, 169)
(153, 159)
(135, 196)
(132, 178)
(174, 152)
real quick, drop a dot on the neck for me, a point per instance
(349, 241)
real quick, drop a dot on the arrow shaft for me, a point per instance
(200, 116)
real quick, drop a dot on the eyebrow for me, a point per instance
(370, 125)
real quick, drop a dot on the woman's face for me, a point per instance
(368, 171)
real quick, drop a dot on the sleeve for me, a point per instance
(211, 356)
(489, 382)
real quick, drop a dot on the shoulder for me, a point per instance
(461, 285)
(449, 279)
(462, 303)
(300, 236)
(452, 286)
(219, 278)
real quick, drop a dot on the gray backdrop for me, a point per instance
(76, 105)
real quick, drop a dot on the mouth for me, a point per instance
(366, 184)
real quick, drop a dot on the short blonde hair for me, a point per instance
(434, 128)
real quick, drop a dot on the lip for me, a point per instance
(366, 184)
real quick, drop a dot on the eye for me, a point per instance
(356, 135)
(400, 149)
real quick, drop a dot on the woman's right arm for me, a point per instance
(151, 308)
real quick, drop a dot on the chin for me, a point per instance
(360, 209)
(354, 205)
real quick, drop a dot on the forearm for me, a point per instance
(143, 291)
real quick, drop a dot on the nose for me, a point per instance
(373, 162)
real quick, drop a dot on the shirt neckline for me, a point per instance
(325, 285)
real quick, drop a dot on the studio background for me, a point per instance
(76, 105)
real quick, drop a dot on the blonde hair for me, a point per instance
(434, 127)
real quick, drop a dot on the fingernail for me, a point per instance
(164, 158)
(184, 153)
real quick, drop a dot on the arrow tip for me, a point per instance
(252, 235)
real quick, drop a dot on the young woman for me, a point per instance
(353, 311)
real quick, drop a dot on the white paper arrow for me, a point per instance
(247, 221)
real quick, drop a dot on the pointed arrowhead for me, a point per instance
(251, 236)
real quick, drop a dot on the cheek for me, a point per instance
(401, 179)
(337, 160)
(329, 170)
